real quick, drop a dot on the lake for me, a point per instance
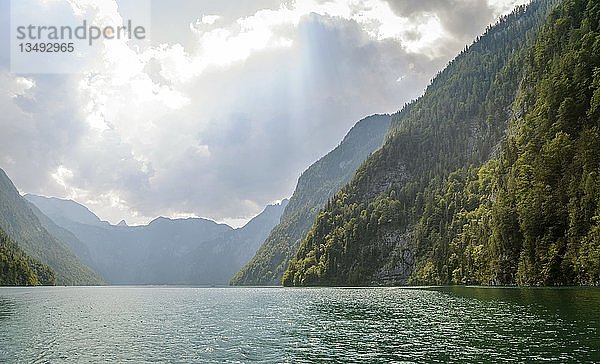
(233, 325)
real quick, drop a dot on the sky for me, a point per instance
(224, 105)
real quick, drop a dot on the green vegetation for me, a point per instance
(531, 216)
(490, 178)
(315, 186)
(20, 223)
(17, 269)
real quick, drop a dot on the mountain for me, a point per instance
(166, 251)
(218, 260)
(64, 210)
(315, 186)
(18, 269)
(545, 215)
(64, 235)
(489, 178)
(20, 223)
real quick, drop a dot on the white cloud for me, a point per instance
(209, 19)
(22, 87)
(62, 177)
(225, 125)
(503, 7)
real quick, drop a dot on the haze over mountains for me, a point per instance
(166, 251)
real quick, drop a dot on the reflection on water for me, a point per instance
(450, 324)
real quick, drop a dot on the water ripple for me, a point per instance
(267, 325)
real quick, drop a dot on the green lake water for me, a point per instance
(239, 325)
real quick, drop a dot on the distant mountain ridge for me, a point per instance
(63, 209)
(166, 251)
(315, 186)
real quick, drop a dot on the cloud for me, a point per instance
(285, 108)
(226, 106)
(459, 20)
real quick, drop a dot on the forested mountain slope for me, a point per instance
(315, 186)
(20, 223)
(489, 178)
(17, 269)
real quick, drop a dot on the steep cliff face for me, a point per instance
(315, 186)
(401, 218)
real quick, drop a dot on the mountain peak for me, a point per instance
(60, 208)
